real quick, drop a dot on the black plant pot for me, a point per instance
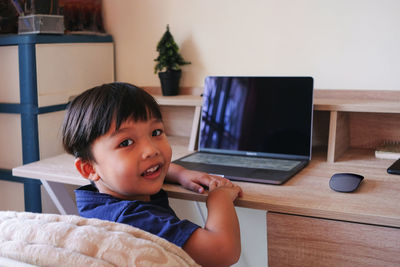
(170, 82)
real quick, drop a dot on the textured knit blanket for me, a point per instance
(69, 240)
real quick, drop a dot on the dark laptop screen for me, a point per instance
(270, 116)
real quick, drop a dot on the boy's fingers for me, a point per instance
(204, 179)
(213, 184)
(195, 187)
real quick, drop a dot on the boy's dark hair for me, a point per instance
(90, 114)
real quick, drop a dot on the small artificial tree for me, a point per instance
(169, 57)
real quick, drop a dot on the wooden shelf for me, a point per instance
(328, 100)
(351, 105)
(349, 114)
(382, 101)
(179, 100)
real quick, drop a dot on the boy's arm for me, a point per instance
(218, 243)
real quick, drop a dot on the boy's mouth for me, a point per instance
(151, 170)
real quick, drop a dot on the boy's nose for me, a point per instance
(149, 150)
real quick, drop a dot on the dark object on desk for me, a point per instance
(394, 168)
(345, 182)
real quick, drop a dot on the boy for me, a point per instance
(116, 133)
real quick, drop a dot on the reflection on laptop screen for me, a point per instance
(257, 115)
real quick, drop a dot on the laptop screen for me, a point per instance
(259, 116)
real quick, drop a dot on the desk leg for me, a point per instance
(60, 197)
(33, 200)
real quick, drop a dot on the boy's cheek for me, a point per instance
(168, 151)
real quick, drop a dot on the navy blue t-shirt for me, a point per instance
(154, 216)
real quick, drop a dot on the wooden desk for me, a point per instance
(304, 214)
(308, 224)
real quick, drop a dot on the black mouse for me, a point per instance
(345, 182)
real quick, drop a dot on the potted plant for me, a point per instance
(168, 64)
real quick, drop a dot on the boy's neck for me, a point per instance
(137, 197)
(132, 198)
(141, 198)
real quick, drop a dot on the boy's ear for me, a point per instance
(86, 169)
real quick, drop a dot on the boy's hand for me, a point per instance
(195, 181)
(233, 190)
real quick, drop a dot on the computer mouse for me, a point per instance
(345, 182)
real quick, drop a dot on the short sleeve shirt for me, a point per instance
(154, 216)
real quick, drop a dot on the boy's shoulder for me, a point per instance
(92, 203)
(154, 216)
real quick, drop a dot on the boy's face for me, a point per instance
(131, 162)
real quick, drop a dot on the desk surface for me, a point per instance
(377, 201)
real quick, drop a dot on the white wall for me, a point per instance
(343, 44)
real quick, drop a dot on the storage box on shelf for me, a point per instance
(38, 75)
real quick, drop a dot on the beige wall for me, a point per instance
(343, 44)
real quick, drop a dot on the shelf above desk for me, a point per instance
(346, 116)
(179, 100)
(351, 105)
(383, 101)
(327, 100)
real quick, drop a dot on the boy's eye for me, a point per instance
(157, 132)
(126, 142)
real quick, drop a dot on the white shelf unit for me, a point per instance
(38, 75)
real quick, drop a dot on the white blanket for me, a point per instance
(69, 240)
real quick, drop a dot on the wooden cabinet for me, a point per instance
(306, 241)
(38, 75)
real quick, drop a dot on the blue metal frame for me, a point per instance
(29, 121)
(6, 175)
(28, 107)
(13, 39)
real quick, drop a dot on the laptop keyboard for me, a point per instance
(242, 161)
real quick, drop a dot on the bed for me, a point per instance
(69, 240)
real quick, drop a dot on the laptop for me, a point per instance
(254, 129)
